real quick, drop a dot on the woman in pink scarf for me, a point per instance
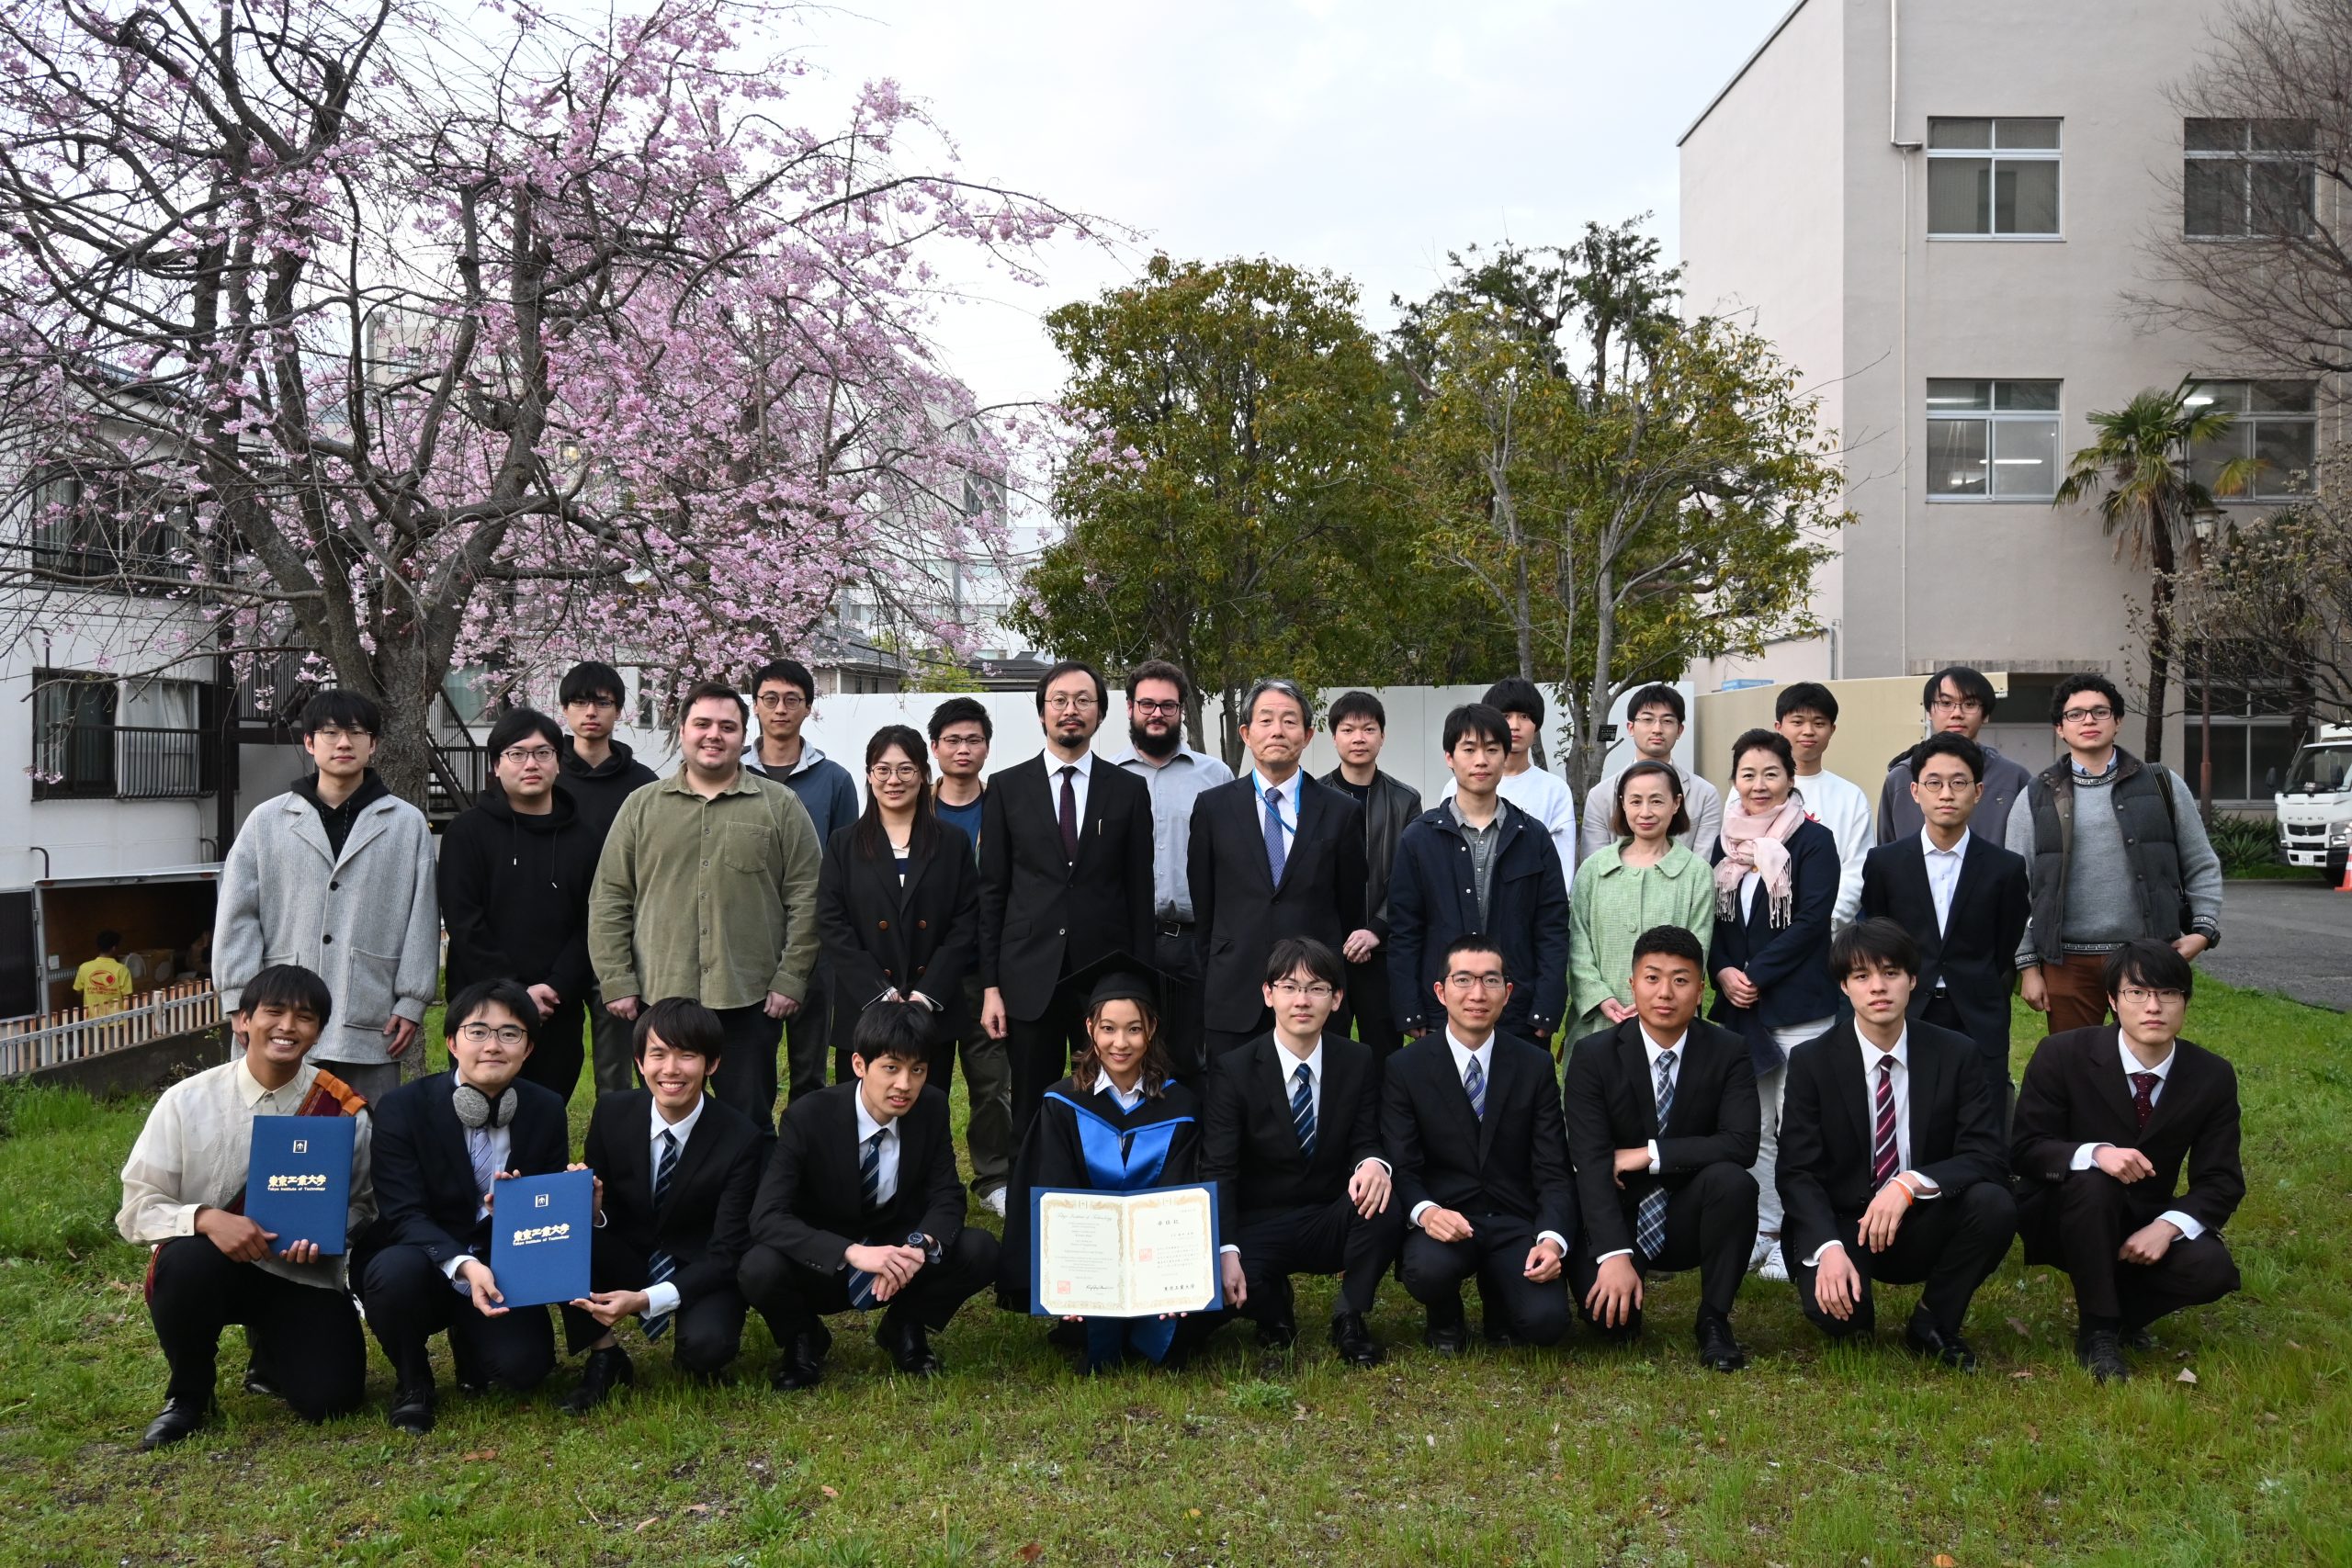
(1776, 882)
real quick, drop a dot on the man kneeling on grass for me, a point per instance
(675, 1171)
(183, 1195)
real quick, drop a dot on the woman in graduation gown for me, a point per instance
(1119, 1122)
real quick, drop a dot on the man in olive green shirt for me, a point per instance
(708, 889)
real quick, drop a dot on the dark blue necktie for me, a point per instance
(1275, 856)
(658, 1265)
(1302, 1110)
(869, 1185)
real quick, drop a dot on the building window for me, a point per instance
(2274, 423)
(74, 736)
(2255, 739)
(2247, 178)
(1992, 440)
(1991, 178)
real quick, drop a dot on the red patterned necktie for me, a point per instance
(2143, 1097)
(1885, 1159)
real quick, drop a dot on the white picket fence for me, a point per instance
(45, 1040)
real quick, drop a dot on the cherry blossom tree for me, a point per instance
(425, 339)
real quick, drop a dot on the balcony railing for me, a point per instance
(125, 763)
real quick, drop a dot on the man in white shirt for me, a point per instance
(183, 1195)
(1540, 793)
(1654, 723)
(1806, 715)
(1914, 1189)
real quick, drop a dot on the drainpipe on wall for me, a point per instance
(1902, 336)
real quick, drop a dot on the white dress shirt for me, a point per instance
(499, 1143)
(195, 1151)
(885, 1172)
(1841, 806)
(1289, 790)
(1124, 1098)
(1484, 1054)
(2085, 1158)
(663, 1297)
(1943, 875)
(1084, 763)
(1674, 1080)
(1922, 1190)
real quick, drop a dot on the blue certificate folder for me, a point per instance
(539, 1230)
(1211, 1292)
(298, 1178)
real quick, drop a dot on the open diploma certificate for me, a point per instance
(1123, 1254)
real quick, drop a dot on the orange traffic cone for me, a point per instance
(2346, 886)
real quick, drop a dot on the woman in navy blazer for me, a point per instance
(1776, 882)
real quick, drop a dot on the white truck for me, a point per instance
(2316, 807)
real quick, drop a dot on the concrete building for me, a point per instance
(1936, 212)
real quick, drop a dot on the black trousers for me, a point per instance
(1041, 1048)
(409, 1301)
(807, 1036)
(1219, 1040)
(746, 1075)
(705, 1332)
(1710, 1226)
(1940, 1012)
(305, 1339)
(1496, 1253)
(557, 1049)
(1370, 1008)
(792, 1296)
(614, 1046)
(1319, 1238)
(2080, 1227)
(1950, 1244)
(1176, 951)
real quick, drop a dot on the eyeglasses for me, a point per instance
(782, 702)
(1946, 787)
(1141, 705)
(960, 742)
(2141, 996)
(894, 772)
(1318, 991)
(519, 755)
(1957, 705)
(333, 733)
(483, 1034)
(1062, 702)
(594, 705)
(1463, 980)
(2088, 715)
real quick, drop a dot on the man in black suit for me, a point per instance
(441, 1145)
(1359, 729)
(861, 1207)
(1960, 896)
(1272, 855)
(1663, 1125)
(2106, 1118)
(1891, 1164)
(675, 1171)
(1064, 879)
(1470, 1118)
(1292, 1138)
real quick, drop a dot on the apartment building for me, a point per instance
(1939, 212)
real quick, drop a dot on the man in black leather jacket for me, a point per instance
(1359, 726)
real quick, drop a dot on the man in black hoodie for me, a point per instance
(598, 774)
(514, 873)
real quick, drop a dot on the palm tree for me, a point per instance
(2140, 472)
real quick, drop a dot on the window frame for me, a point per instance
(1992, 154)
(2244, 422)
(49, 717)
(2246, 157)
(1990, 415)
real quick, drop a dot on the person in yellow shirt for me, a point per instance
(102, 983)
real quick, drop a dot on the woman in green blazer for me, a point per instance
(1644, 878)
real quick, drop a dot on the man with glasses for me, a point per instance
(1065, 881)
(2106, 1119)
(708, 889)
(336, 875)
(515, 871)
(1957, 700)
(1654, 723)
(599, 773)
(961, 732)
(2114, 850)
(1273, 854)
(1291, 1136)
(1177, 776)
(786, 695)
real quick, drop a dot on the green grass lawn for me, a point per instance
(1573, 1456)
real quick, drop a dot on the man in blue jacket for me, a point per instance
(1477, 865)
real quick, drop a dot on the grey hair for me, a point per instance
(1288, 688)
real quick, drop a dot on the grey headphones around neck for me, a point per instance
(476, 1109)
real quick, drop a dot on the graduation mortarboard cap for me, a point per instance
(1118, 976)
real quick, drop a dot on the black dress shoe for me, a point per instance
(176, 1423)
(1503, 1340)
(802, 1365)
(1277, 1333)
(2139, 1339)
(257, 1382)
(1354, 1342)
(606, 1369)
(907, 1346)
(1944, 1349)
(412, 1409)
(1718, 1351)
(1447, 1338)
(2100, 1352)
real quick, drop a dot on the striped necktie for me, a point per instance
(869, 1187)
(658, 1265)
(1302, 1110)
(1474, 1084)
(1885, 1158)
(1649, 1219)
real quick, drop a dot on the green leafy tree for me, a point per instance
(2140, 474)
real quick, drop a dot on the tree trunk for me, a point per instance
(1229, 729)
(2160, 596)
(2205, 741)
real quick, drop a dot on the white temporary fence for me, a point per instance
(45, 1039)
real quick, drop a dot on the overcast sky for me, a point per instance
(1366, 136)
